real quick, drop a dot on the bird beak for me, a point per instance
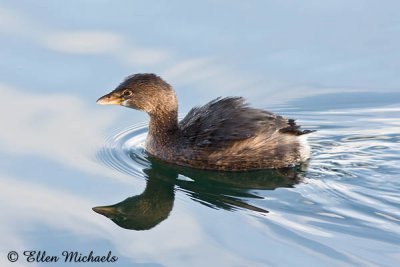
(107, 211)
(109, 99)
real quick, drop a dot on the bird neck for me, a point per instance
(163, 125)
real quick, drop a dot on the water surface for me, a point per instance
(65, 162)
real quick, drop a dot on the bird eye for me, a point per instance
(126, 93)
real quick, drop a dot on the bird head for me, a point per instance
(147, 92)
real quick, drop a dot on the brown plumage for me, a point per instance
(225, 134)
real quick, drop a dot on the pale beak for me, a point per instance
(107, 211)
(109, 99)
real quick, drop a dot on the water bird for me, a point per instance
(224, 134)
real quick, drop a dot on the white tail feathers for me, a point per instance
(305, 150)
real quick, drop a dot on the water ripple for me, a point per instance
(349, 187)
(124, 150)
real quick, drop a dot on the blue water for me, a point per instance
(333, 66)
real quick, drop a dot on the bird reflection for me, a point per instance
(219, 190)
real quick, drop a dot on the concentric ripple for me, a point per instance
(352, 174)
(350, 189)
(124, 150)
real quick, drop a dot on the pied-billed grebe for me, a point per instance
(224, 134)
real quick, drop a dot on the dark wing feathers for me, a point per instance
(230, 119)
(293, 128)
